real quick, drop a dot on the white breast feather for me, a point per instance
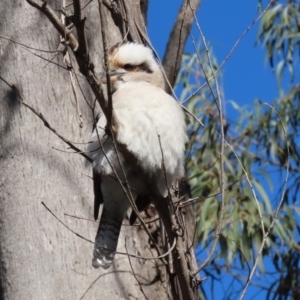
(145, 112)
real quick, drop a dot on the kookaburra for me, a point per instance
(151, 127)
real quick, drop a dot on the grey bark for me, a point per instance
(39, 258)
(178, 37)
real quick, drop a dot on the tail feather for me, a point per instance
(106, 241)
(102, 257)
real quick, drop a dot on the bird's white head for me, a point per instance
(133, 62)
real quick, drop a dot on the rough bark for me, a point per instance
(41, 259)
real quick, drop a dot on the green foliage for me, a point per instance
(280, 34)
(259, 142)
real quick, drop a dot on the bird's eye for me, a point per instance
(128, 67)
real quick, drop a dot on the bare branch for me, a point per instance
(144, 9)
(180, 263)
(135, 20)
(218, 101)
(86, 67)
(177, 39)
(232, 50)
(141, 289)
(277, 210)
(28, 47)
(43, 7)
(117, 252)
(110, 122)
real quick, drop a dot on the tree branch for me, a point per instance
(136, 22)
(144, 9)
(177, 40)
(60, 27)
(109, 117)
(136, 29)
(80, 51)
(180, 263)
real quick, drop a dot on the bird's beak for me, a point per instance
(114, 76)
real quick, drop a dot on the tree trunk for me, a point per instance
(39, 257)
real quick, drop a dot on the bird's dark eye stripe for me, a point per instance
(145, 67)
(129, 67)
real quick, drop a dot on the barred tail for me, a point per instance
(106, 240)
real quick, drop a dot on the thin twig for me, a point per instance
(177, 40)
(265, 235)
(205, 170)
(184, 203)
(192, 115)
(28, 47)
(80, 218)
(46, 123)
(222, 173)
(73, 88)
(141, 289)
(113, 127)
(194, 235)
(160, 64)
(126, 186)
(232, 50)
(76, 169)
(92, 220)
(60, 27)
(117, 272)
(52, 62)
(109, 117)
(84, 62)
(117, 252)
(81, 90)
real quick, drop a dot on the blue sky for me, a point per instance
(246, 75)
